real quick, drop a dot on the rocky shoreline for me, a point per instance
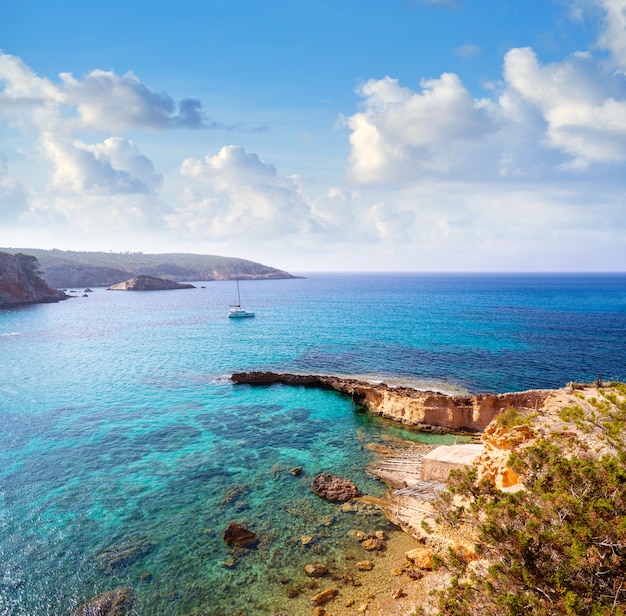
(427, 410)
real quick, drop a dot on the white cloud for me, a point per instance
(403, 134)
(613, 38)
(584, 107)
(234, 193)
(100, 101)
(106, 101)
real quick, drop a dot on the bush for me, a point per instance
(557, 547)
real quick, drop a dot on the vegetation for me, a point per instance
(557, 547)
(69, 269)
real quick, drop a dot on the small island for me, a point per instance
(149, 283)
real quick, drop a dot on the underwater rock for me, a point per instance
(123, 554)
(116, 602)
(236, 534)
(371, 543)
(307, 539)
(333, 488)
(315, 569)
(296, 471)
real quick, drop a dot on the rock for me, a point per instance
(398, 594)
(236, 534)
(146, 576)
(122, 554)
(414, 574)
(319, 611)
(116, 602)
(359, 535)
(21, 283)
(296, 471)
(373, 543)
(315, 570)
(364, 565)
(420, 557)
(324, 597)
(381, 534)
(148, 283)
(333, 488)
(307, 539)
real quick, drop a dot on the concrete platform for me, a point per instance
(437, 464)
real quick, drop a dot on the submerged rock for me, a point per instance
(236, 534)
(122, 554)
(315, 569)
(334, 488)
(116, 602)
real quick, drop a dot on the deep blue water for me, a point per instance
(119, 429)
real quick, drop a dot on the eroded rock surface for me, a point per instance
(237, 534)
(20, 282)
(116, 602)
(334, 488)
(425, 409)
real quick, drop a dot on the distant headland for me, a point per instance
(21, 282)
(64, 269)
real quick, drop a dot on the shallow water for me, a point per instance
(118, 428)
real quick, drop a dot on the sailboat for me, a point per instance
(236, 311)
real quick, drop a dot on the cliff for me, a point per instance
(20, 282)
(425, 409)
(148, 283)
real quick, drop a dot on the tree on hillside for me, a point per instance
(558, 547)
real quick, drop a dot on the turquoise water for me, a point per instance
(119, 428)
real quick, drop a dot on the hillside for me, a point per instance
(20, 282)
(62, 269)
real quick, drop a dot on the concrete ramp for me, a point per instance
(437, 464)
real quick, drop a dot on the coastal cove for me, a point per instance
(126, 450)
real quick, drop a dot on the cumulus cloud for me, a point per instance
(404, 133)
(114, 166)
(100, 101)
(106, 101)
(613, 38)
(102, 187)
(582, 104)
(540, 119)
(236, 193)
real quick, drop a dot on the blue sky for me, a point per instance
(422, 135)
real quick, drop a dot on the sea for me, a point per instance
(125, 450)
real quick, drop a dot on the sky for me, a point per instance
(319, 135)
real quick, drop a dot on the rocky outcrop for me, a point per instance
(425, 409)
(149, 283)
(20, 282)
(116, 602)
(237, 534)
(333, 488)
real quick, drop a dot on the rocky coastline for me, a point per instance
(416, 473)
(21, 283)
(427, 410)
